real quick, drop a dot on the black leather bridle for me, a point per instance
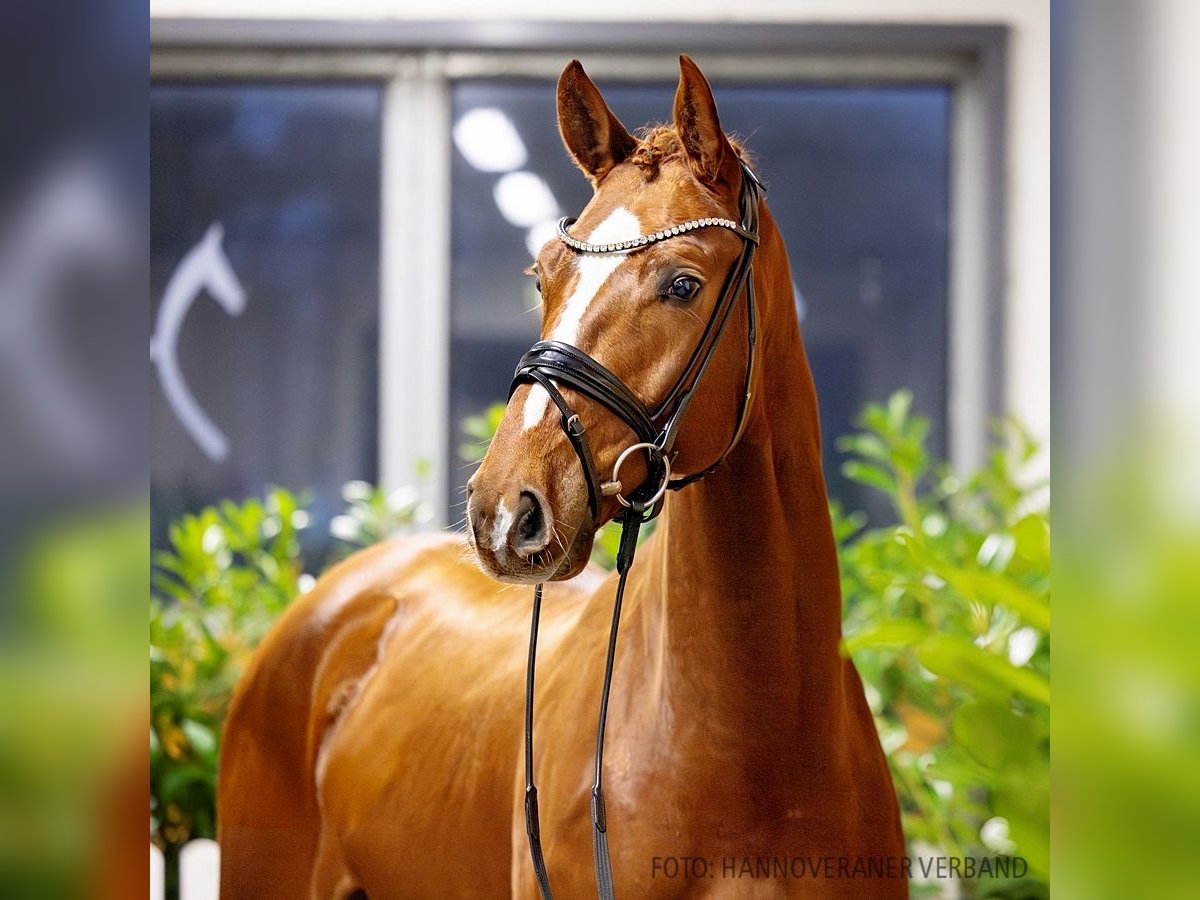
(553, 363)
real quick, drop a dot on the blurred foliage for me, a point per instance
(373, 514)
(608, 541)
(478, 429)
(1127, 730)
(947, 617)
(72, 607)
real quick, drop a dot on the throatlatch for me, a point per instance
(553, 363)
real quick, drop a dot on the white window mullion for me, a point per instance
(415, 281)
(967, 408)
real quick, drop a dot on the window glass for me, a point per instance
(265, 281)
(857, 180)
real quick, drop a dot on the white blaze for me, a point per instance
(594, 269)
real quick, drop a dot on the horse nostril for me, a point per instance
(531, 532)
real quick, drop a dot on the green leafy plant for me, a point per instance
(947, 616)
(373, 514)
(229, 571)
(478, 430)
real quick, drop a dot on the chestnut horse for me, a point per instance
(373, 747)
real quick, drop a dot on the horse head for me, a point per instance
(636, 303)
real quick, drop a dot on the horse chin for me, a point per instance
(576, 558)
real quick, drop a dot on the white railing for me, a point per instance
(199, 871)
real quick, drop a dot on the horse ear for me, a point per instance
(595, 138)
(709, 152)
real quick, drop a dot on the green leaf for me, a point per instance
(177, 782)
(201, 738)
(891, 633)
(1032, 536)
(898, 407)
(984, 586)
(989, 675)
(870, 475)
(868, 445)
(994, 735)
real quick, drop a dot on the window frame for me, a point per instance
(416, 63)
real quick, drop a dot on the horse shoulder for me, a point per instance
(295, 685)
(283, 666)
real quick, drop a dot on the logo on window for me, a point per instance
(204, 268)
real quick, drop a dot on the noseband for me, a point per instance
(553, 363)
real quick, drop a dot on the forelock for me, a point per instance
(659, 144)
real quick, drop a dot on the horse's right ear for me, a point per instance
(709, 152)
(595, 138)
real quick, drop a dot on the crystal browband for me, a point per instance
(646, 239)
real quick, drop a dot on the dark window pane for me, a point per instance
(290, 175)
(857, 180)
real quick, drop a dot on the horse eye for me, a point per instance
(684, 288)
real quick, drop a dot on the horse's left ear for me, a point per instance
(712, 157)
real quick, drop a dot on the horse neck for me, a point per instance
(745, 601)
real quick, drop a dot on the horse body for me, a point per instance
(375, 742)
